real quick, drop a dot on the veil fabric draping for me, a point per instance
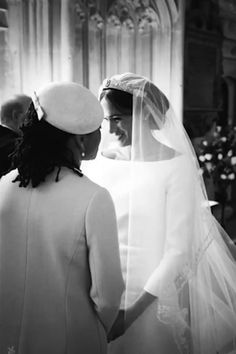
(173, 246)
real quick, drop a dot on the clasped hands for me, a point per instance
(125, 318)
(119, 326)
(123, 321)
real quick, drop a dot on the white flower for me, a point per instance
(218, 128)
(220, 156)
(201, 171)
(209, 166)
(233, 160)
(230, 153)
(231, 176)
(208, 157)
(224, 139)
(223, 176)
(202, 158)
(205, 143)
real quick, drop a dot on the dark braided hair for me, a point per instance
(39, 150)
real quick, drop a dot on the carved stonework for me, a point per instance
(121, 13)
(97, 18)
(146, 16)
(94, 14)
(114, 20)
(132, 13)
(80, 11)
(88, 10)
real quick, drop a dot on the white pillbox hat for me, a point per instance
(68, 106)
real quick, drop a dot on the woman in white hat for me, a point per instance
(60, 277)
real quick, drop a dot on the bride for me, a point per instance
(176, 260)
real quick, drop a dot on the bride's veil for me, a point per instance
(197, 273)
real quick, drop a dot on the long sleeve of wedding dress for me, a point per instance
(179, 226)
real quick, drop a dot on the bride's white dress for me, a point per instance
(163, 226)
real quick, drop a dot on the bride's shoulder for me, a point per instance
(182, 168)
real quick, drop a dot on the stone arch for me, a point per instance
(87, 40)
(174, 9)
(161, 7)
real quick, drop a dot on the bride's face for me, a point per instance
(119, 124)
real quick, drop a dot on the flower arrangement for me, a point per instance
(217, 155)
(217, 159)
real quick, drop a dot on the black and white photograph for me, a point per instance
(118, 177)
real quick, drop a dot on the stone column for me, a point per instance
(66, 41)
(177, 61)
(3, 50)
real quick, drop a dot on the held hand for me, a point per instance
(141, 304)
(118, 327)
(126, 318)
(130, 317)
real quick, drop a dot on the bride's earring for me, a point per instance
(83, 154)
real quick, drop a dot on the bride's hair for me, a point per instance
(40, 149)
(121, 100)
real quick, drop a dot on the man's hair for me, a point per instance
(13, 108)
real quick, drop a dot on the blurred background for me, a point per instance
(186, 47)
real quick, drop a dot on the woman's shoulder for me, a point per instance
(96, 187)
(85, 185)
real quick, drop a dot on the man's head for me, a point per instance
(13, 111)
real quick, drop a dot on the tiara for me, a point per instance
(118, 85)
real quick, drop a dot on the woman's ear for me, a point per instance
(80, 144)
(76, 144)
